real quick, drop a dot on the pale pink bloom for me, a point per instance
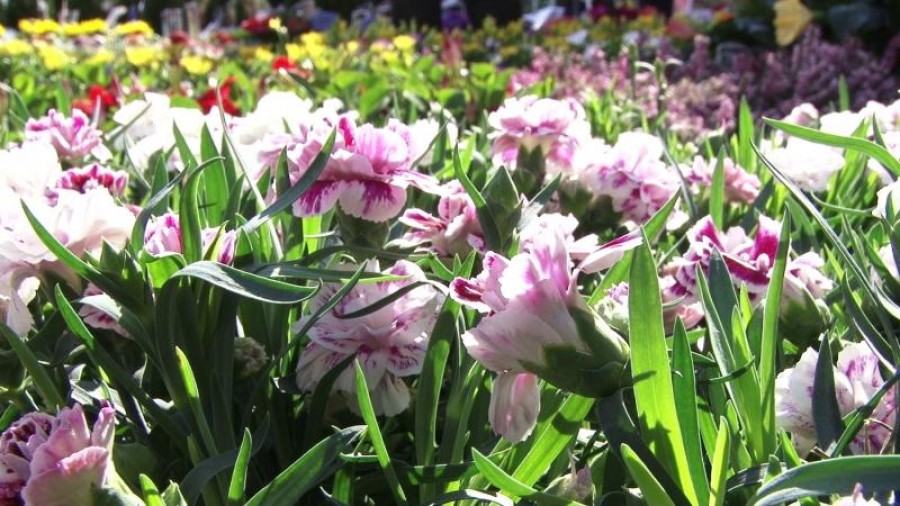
(389, 342)
(56, 461)
(73, 138)
(557, 127)
(804, 114)
(27, 171)
(93, 176)
(807, 164)
(455, 229)
(856, 379)
(857, 499)
(17, 290)
(843, 123)
(633, 176)
(367, 174)
(421, 134)
(593, 257)
(528, 299)
(614, 306)
(740, 185)
(749, 261)
(163, 235)
(95, 310)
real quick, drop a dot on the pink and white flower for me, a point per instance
(56, 461)
(367, 174)
(96, 310)
(532, 303)
(389, 342)
(163, 235)
(633, 176)
(455, 229)
(557, 127)
(73, 137)
(740, 185)
(856, 379)
(89, 177)
(749, 261)
(592, 256)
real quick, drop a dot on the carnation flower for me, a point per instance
(93, 176)
(163, 235)
(455, 230)
(73, 137)
(389, 342)
(740, 185)
(56, 461)
(96, 310)
(557, 127)
(856, 379)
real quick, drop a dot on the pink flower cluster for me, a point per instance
(454, 231)
(55, 461)
(89, 177)
(557, 127)
(740, 185)
(389, 342)
(856, 379)
(73, 137)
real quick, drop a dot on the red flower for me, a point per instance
(283, 62)
(96, 93)
(179, 38)
(209, 99)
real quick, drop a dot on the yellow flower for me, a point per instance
(263, 55)
(312, 39)
(100, 57)
(134, 27)
(53, 57)
(196, 65)
(351, 47)
(294, 51)
(2, 30)
(141, 56)
(87, 27)
(404, 43)
(15, 47)
(791, 18)
(39, 26)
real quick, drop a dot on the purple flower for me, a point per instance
(856, 379)
(389, 342)
(56, 461)
(557, 127)
(455, 230)
(368, 172)
(93, 176)
(73, 138)
(163, 235)
(633, 176)
(535, 317)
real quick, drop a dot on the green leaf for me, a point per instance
(685, 389)
(825, 410)
(746, 134)
(717, 193)
(650, 488)
(309, 470)
(834, 476)
(651, 373)
(39, 376)
(150, 492)
(239, 477)
(246, 284)
(720, 464)
(485, 219)
(768, 367)
(296, 191)
(189, 382)
(868, 148)
(368, 414)
(509, 485)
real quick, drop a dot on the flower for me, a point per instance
(807, 164)
(791, 18)
(142, 56)
(856, 379)
(211, 98)
(536, 326)
(53, 57)
(454, 231)
(163, 236)
(404, 43)
(17, 290)
(367, 173)
(73, 138)
(888, 205)
(137, 27)
(196, 65)
(557, 127)
(96, 310)
(389, 342)
(632, 176)
(56, 461)
(748, 261)
(740, 185)
(94, 176)
(856, 499)
(87, 27)
(39, 26)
